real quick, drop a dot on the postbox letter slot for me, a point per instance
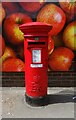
(36, 43)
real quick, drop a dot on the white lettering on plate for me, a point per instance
(36, 65)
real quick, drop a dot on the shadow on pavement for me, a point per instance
(53, 99)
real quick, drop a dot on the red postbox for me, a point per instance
(36, 61)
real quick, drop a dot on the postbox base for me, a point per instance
(40, 101)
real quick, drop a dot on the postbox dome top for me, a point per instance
(34, 28)
(29, 24)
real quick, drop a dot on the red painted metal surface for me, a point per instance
(36, 58)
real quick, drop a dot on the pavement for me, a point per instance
(61, 103)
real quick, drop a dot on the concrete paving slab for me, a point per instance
(61, 104)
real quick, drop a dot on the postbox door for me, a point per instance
(36, 76)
